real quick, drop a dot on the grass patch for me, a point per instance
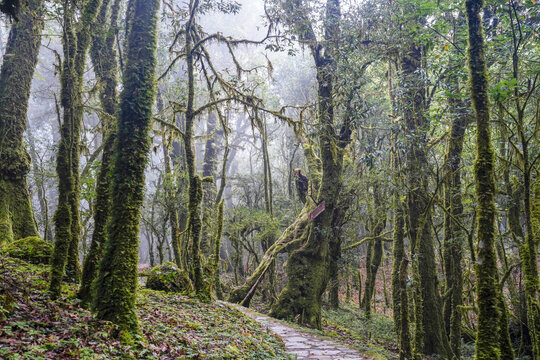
(374, 337)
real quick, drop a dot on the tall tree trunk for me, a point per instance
(76, 41)
(105, 62)
(195, 181)
(454, 234)
(209, 188)
(16, 214)
(405, 351)
(429, 335)
(398, 220)
(117, 280)
(490, 341)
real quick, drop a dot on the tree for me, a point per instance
(75, 41)
(117, 281)
(16, 214)
(308, 267)
(492, 333)
(105, 62)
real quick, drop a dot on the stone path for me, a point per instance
(303, 344)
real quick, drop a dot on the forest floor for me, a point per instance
(172, 326)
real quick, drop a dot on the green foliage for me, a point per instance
(168, 277)
(31, 249)
(244, 221)
(375, 337)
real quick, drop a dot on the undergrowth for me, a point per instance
(374, 337)
(173, 326)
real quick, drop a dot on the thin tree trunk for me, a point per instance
(489, 342)
(454, 234)
(65, 259)
(104, 58)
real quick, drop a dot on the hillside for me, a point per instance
(173, 326)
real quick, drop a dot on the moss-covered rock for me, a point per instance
(31, 249)
(168, 277)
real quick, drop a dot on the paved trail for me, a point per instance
(302, 344)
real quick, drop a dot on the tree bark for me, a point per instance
(429, 335)
(104, 58)
(489, 342)
(117, 279)
(16, 214)
(65, 259)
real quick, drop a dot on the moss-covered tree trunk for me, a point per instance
(16, 214)
(104, 58)
(195, 182)
(308, 267)
(454, 234)
(534, 292)
(292, 238)
(335, 253)
(405, 350)
(374, 253)
(398, 255)
(489, 342)
(209, 169)
(75, 41)
(117, 280)
(430, 337)
(398, 237)
(216, 283)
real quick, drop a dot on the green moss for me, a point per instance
(6, 230)
(217, 250)
(105, 63)
(117, 280)
(16, 214)
(492, 333)
(31, 249)
(403, 331)
(75, 42)
(168, 277)
(398, 254)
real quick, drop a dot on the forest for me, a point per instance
(269, 179)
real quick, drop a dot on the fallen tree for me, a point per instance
(292, 238)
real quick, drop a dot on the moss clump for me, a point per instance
(168, 277)
(31, 249)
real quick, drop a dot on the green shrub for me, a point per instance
(31, 249)
(168, 277)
